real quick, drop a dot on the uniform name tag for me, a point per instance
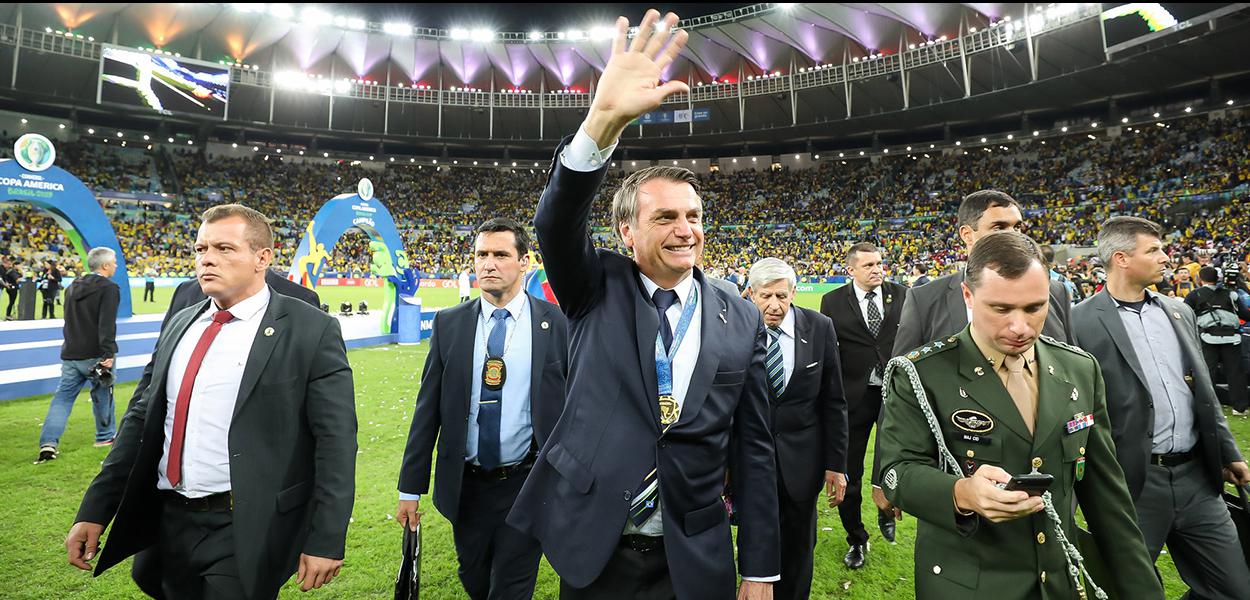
(983, 440)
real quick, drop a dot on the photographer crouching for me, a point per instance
(1220, 311)
(86, 353)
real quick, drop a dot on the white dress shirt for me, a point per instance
(787, 340)
(861, 296)
(206, 447)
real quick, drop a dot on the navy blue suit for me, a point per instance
(577, 498)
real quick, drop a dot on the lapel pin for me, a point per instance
(544, 325)
(1177, 315)
(1075, 394)
(1050, 369)
(722, 317)
(979, 371)
(889, 298)
(803, 340)
(268, 331)
(963, 393)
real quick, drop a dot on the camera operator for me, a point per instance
(87, 353)
(1219, 310)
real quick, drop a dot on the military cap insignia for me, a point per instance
(972, 421)
(891, 479)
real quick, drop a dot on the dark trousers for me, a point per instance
(1228, 357)
(149, 291)
(798, 543)
(147, 570)
(49, 306)
(497, 562)
(851, 509)
(1178, 506)
(629, 575)
(8, 310)
(197, 556)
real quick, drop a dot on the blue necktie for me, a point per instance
(663, 300)
(774, 363)
(490, 402)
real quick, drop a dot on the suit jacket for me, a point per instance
(289, 498)
(937, 310)
(809, 419)
(188, 293)
(577, 498)
(1101, 333)
(446, 390)
(968, 557)
(860, 351)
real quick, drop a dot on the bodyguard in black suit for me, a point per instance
(145, 569)
(257, 480)
(1170, 434)
(937, 309)
(666, 375)
(809, 417)
(478, 481)
(865, 313)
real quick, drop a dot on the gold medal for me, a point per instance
(494, 373)
(668, 410)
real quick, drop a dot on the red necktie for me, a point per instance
(173, 468)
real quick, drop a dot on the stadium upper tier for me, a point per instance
(1180, 173)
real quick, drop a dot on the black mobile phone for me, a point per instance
(1033, 483)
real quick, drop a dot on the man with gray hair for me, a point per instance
(87, 353)
(805, 387)
(1171, 438)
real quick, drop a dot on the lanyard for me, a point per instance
(664, 360)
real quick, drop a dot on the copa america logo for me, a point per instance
(34, 152)
(365, 189)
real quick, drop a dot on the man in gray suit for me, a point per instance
(936, 309)
(1170, 436)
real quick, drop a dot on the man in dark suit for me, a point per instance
(937, 310)
(491, 392)
(666, 375)
(258, 479)
(146, 568)
(1170, 435)
(865, 313)
(805, 387)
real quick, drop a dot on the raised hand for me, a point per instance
(630, 86)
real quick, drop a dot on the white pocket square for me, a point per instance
(812, 365)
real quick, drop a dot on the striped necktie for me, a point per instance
(775, 365)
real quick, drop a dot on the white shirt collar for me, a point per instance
(787, 323)
(514, 306)
(682, 288)
(245, 310)
(860, 294)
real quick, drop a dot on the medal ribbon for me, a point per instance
(664, 360)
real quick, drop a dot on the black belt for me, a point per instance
(520, 469)
(1171, 460)
(642, 543)
(219, 502)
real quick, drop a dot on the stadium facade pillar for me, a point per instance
(794, 103)
(386, 103)
(1029, 41)
(963, 55)
(846, 81)
(17, 49)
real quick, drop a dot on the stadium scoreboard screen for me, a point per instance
(1128, 24)
(162, 83)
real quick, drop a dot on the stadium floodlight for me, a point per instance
(972, 29)
(600, 34)
(1064, 129)
(190, 142)
(279, 150)
(911, 46)
(861, 152)
(931, 146)
(735, 161)
(354, 23)
(312, 15)
(342, 86)
(817, 157)
(397, 28)
(535, 163)
(301, 152)
(371, 157)
(496, 163)
(1036, 133)
(982, 140)
(514, 163)
(841, 155)
(282, 11)
(325, 155)
(62, 125)
(392, 158)
(1094, 124)
(412, 160)
(1011, 137)
(459, 33)
(1156, 115)
(475, 163)
(535, 36)
(24, 121)
(576, 35)
(436, 161)
(255, 148)
(753, 159)
(1189, 109)
(785, 5)
(1124, 120)
(886, 151)
(482, 35)
(146, 137)
(1229, 103)
(958, 143)
(47, 30)
(171, 140)
(234, 145)
(909, 148)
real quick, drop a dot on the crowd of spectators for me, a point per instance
(1189, 174)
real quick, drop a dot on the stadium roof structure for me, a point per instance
(779, 77)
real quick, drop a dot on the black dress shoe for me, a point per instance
(887, 525)
(854, 558)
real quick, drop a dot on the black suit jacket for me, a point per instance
(289, 498)
(809, 419)
(577, 498)
(860, 351)
(446, 390)
(937, 310)
(1100, 331)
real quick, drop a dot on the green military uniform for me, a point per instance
(964, 557)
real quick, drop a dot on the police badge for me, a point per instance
(494, 373)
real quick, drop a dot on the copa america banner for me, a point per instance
(669, 117)
(31, 178)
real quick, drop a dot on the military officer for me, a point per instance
(1006, 402)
